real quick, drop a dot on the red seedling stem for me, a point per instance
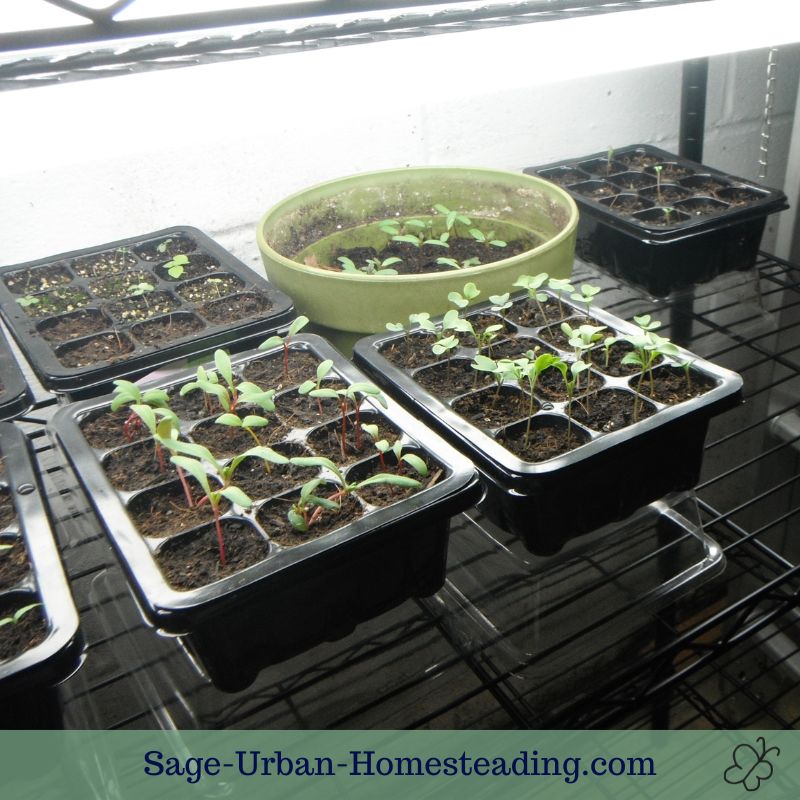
(186, 491)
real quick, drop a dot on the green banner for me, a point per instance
(140, 765)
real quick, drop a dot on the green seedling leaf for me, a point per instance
(237, 496)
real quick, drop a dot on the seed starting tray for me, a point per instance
(93, 287)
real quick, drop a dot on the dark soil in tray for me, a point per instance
(627, 203)
(236, 307)
(98, 265)
(613, 366)
(59, 301)
(670, 385)
(269, 371)
(516, 347)
(13, 563)
(555, 336)
(105, 428)
(611, 410)
(163, 511)
(258, 481)
(162, 331)
(326, 440)
(108, 347)
(301, 411)
(490, 408)
(8, 512)
(137, 466)
(167, 248)
(115, 287)
(410, 351)
(449, 380)
(550, 385)
(547, 439)
(193, 405)
(197, 266)
(384, 494)
(29, 281)
(595, 189)
(214, 287)
(480, 322)
(73, 326)
(18, 637)
(146, 306)
(272, 516)
(226, 441)
(529, 314)
(193, 560)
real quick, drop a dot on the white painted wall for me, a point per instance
(214, 146)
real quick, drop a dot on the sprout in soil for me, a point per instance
(608, 342)
(230, 394)
(658, 169)
(195, 459)
(560, 286)
(404, 231)
(500, 303)
(141, 290)
(473, 261)
(162, 423)
(486, 238)
(648, 347)
(586, 295)
(120, 256)
(484, 364)
(126, 394)
(445, 345)
(309, 386)
(28, 300)
(297, 325)
(177, 266)
(162, 246)
(532, 370)
(533, 283)
(18, 615)
(668, 212)
(383, 447)
(452, 217)
(372, 267)
(571, 374)
(310, 507)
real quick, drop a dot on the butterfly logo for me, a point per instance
(749, 766)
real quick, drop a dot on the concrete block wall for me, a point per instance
(214, 146)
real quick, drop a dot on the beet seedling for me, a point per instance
(127, 394)
(486, 238)
(17, 617)
(383, 447)
(453, 217)
(297, 325)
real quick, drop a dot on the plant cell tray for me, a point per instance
(87, 317)
(15, 397)
(612, 468)
(713, 221)
(33, 573)
(301, 592)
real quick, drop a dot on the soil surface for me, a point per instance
(449, 380)
(226, 441)
(99, 265)
(163, 511)
(547, 439)
(260, 481)
(165, 249)
(272, 516)
(490, 408)
(8, 513)
(517, 347)
(37, 279)
(105, 428)
(215, 287)
(532, 314)
(194, 560)
(13, 563)
(326, 440)
(18, 637)
(301, 411)
(611, 410)
(671, 386)
(143, 307)
(104, 347)
(551, 386)
(58, 301)
(235, 307)
(628, 204)
(594, 191)
(268, 372)
(72, 326)
(163, 331)
(613, 366)
(137, 466)
(411, 351)
(117, 286)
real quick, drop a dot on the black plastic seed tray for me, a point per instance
(89, 316)
(15, 396)
(32, 574)
(612, 467)
(667, 229)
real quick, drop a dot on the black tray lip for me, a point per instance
(174, 610)
(500, 464)
(774, 200)
(55, 658)
(54, 375)
(15, 396)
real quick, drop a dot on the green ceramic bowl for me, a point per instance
(338, 214)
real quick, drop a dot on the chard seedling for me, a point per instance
(126, 394)
(141, 290)
(586, 295)
(383, 447)
(18, 615)
(375, 266)
(162, 423)
(192, 458)
(560, 286)
(297, 325)
(532, 284)
(344, 489)
(315, 386)
(177, 266)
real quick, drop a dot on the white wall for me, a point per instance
(214, 146)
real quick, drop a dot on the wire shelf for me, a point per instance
(723, 653)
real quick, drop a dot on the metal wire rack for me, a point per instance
(726, 654)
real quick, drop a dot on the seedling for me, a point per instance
(192, 458)
(445, 345)
(309, 386)
(297, 325)
(560, 286)
(586, 295)
(473, 261)
(28, 300)
(141, 290)
(500, 303)
(668, 212)
(609, 158)
(177, 266)
(608, 342)
(648, 348)
(470, 293)
(532, 371)
(486, 238)
(402, 232)
(127, 394)
(383, 447)
(301, 515)
(571, 375)
(120, 256)
(162, 246)
(162, 423)
(375, 266)
(18, 615)
(496, 369)
(217, 284)
(452, 217)
(533, 283)
(658, 168)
